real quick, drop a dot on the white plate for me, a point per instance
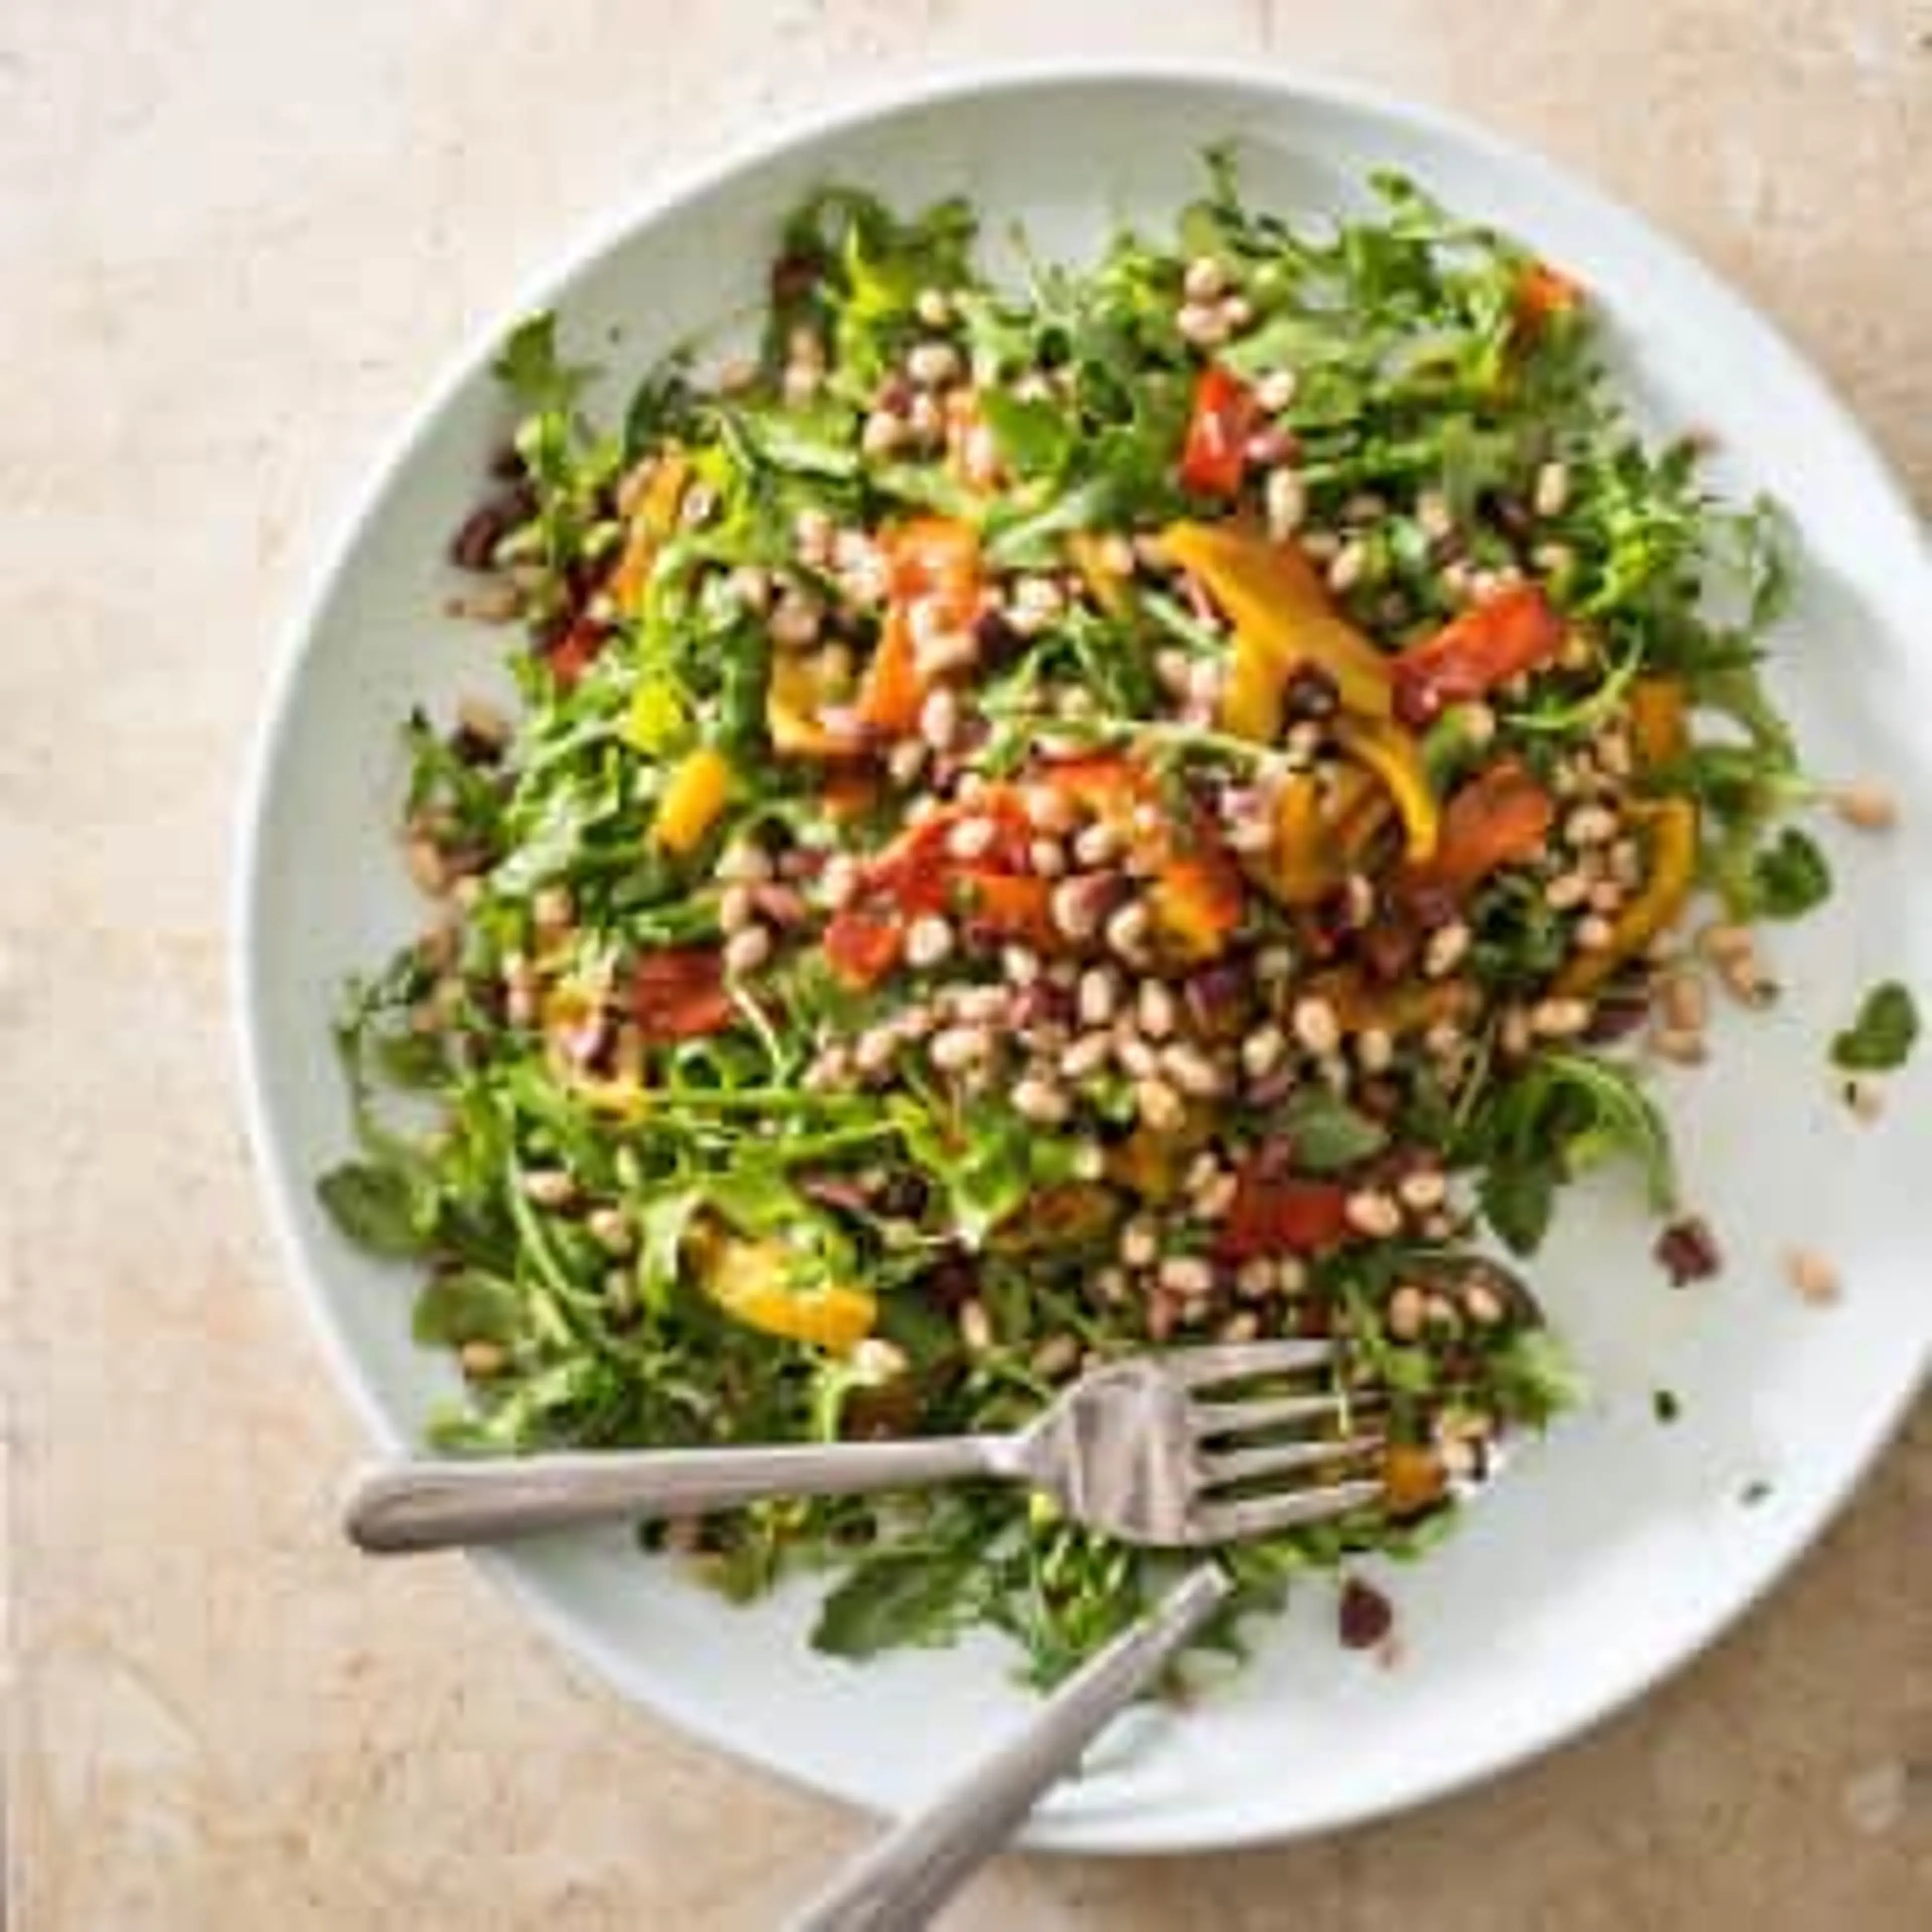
(1610, 1554)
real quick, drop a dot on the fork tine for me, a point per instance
(1258, 1516)
(1210, 1419)
(1231, 1361)
(1281, 1459)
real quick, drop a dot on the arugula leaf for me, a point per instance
(1536, 1378)
(983, 1164)
(1328, 1133)
(1792, 876)
(1034, 436)
(1882, 1036)
(916, 1595)
(663, 408)
(1565, 1112)
(528, 366)
(1023, 537)
(466, 1305)
(1517, 1198)
(376, 1207)
(817, 442)
(662, 1225)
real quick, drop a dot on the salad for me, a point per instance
(1155, 804)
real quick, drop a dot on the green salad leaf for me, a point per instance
(1882, 1036)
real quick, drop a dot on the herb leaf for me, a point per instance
(904, 1596)
(1565, 1112)
(1792, 877)
(466, 1305)
(528, 366)
(375, 1207)
(1328, 1134)
(1884, 1033)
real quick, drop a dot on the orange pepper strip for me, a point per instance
(863, 947)
(678, 993)
(652, 521)
(1414, 1006)
(1672, 823)
(1501, 816)
(892, 692)
(1413, 1478)
(1542, 291)
(1282, 618)
(1196, 896)
(932, 561)
(1659, 720)
(1319, 836)
(796, 693)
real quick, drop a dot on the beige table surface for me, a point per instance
(234, 239)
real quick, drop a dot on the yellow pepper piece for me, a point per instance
(695, 794)
(1152, 1164)
(623, 1099)
(1093, 560)
(1304, 866)
(1413, 1479)
(1672, 823)
(1320, 834)
(799, 687)
(1282, 618)
(1393, 756)
(1658, 720)
(752, 1282)
(571, 1006)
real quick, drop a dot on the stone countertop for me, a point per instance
(235, 240)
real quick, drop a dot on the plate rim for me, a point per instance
(1283, 86)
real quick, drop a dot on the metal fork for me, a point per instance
(1148, 1450)
(899, 1883)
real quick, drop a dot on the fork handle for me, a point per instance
(899, 1883)
(436, 1505)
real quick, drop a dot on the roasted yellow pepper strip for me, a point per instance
(1282, 618)
(1319, 835)
(1091, 559)
(752, 1282)
(1395, 757)
(799, 686)
(1672, 826)
(1302, 869)
(693, 796)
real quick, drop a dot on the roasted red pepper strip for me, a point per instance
(1516, 630)
(917, 874)
(1214, 457)
(575, 651)
(1277, 1214)
(679, 993)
